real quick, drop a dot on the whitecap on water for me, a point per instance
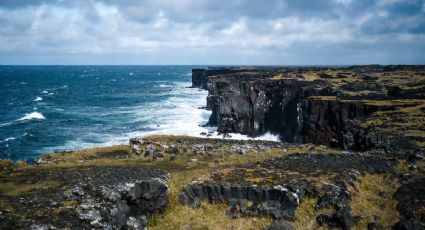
(38, 99)
(164, 85)
(31, 116)
(8, 139)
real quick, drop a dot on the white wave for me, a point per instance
(6, 124)
(164, 85)
(265, 137)
(180, 115)
(50, 94)
(8, 139)
(38, 99)
(103, 140)
(33, 115)
(177, 115)
(45, 92)
(131, 74)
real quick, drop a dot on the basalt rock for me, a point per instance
(411, 224)
(124, 206)
(411, 203)
(332, 123)
(256, 106)
(300, 109)
(278, 201)
(341, 219)
(89, 198)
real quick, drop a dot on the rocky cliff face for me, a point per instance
(304, 105)
(256, 106)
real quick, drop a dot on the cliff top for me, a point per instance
(82, 188)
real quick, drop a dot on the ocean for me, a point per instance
(44, 109)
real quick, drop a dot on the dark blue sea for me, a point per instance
(55, 108)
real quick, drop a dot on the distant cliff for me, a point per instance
(200, 76)
(330, 106)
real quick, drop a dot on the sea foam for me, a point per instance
(31, 116)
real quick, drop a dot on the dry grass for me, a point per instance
(168, 138)
(19, 189)
(181, 172)
(208, 216)
(323, 98)
(306, 215)
(310, 76)
(374, 199)
(213, 216)
(277, 77)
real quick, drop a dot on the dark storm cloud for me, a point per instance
(259, 31)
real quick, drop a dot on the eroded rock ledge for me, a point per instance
(277, 201)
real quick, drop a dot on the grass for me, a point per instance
(19, 189)
(324, 98)
(180, 170)
(306, 214)
(277, 77)
(366, 199)
(374, 199)
(208, 216)
(310, 76)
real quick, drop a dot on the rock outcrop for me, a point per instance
(89, 198)
(287, 182)
(277, 201)
(307, 105)
(128, 206)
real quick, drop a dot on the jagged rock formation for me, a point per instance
(129, 204)
(311, 105)
(90, 198)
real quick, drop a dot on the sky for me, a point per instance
(213, 32)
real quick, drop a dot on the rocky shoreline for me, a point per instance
(351, 157)
(337, 107)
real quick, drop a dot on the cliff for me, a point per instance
(338, 107)
(200, 76)
(179, 182)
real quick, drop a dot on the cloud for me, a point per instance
(34, 31)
